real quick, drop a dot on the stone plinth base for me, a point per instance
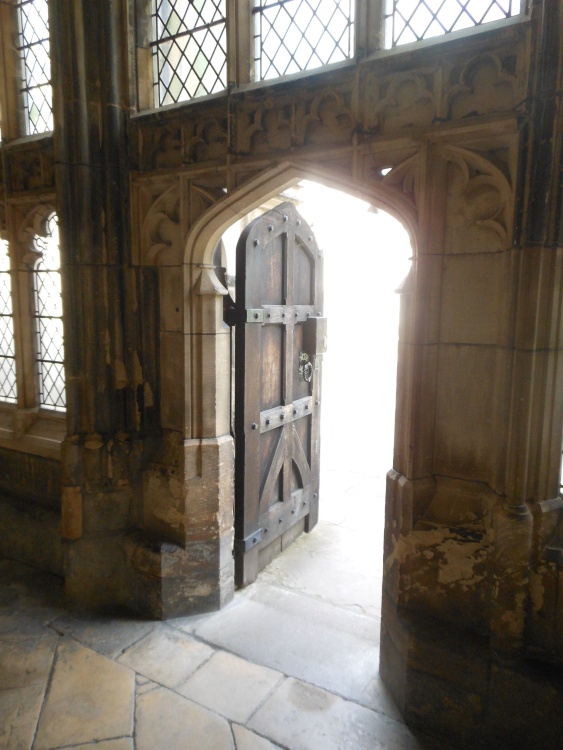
(449, 684)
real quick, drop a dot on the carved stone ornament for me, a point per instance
(483, 88)
(161, 232)
(480, 197)
(210, 141)
(402, 102)
(403, 178)
(165, 146)
(329, 120)
(31, 166)
(270, 129)
(34, 224)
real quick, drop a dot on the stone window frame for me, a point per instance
(369, 41)
(12, 108)
(27, 425)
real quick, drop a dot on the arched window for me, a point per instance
(8, 388)
(48, 314)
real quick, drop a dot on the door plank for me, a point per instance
(279, 292)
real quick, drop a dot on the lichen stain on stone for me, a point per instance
(513, 619)
(120, 374)
(459, 562)
(148, 396)
(137, 369)
(454, 557)
(537, 592)
(93, 444)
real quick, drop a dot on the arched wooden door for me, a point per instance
(279, 341)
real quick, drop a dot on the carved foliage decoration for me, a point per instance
(209, 142)
(480, 203)
(403, 179)
(403, 101)
(270, 129)
(328, 121)
(483, 87)
(176, 142)
(201, 198)
(161, 229)
(275, 125)
(31, 225)
(168, 216)
(31, 165)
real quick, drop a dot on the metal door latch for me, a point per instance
(306, 367)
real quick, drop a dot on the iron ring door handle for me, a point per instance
(306, 368)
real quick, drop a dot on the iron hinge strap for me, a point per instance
(243, 545)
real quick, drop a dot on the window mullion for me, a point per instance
(12, 112)
(240, 43)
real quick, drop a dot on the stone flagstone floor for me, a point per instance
(291, 663)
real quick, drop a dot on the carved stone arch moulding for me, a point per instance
(207, 402)
(480, 197)
(206, 232)
(32, 225)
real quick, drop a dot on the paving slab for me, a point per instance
(109, 636)
(230, 686)
(334, 564)
(304, 717)
(19, 712)
(301, 637)
(90, 698)
(122, 743)
(167, 720)
(377, 697)
(26, 661)
(247, 740)
(166, 656)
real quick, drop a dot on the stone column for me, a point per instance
(102, 452)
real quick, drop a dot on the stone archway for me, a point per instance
(207, 343)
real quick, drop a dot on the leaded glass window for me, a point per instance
(33, 48)
(189, 49)
(412, 20)
(295, 35)
(8, 390)
(48, 315)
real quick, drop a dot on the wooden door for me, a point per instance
(279, 341)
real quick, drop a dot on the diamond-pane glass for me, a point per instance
(33, 47)
(48, 317)
(8, 390)
(295, 35)
(412, 20)
(189, 48)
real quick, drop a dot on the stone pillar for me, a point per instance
(104, 367)
(473, 587)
